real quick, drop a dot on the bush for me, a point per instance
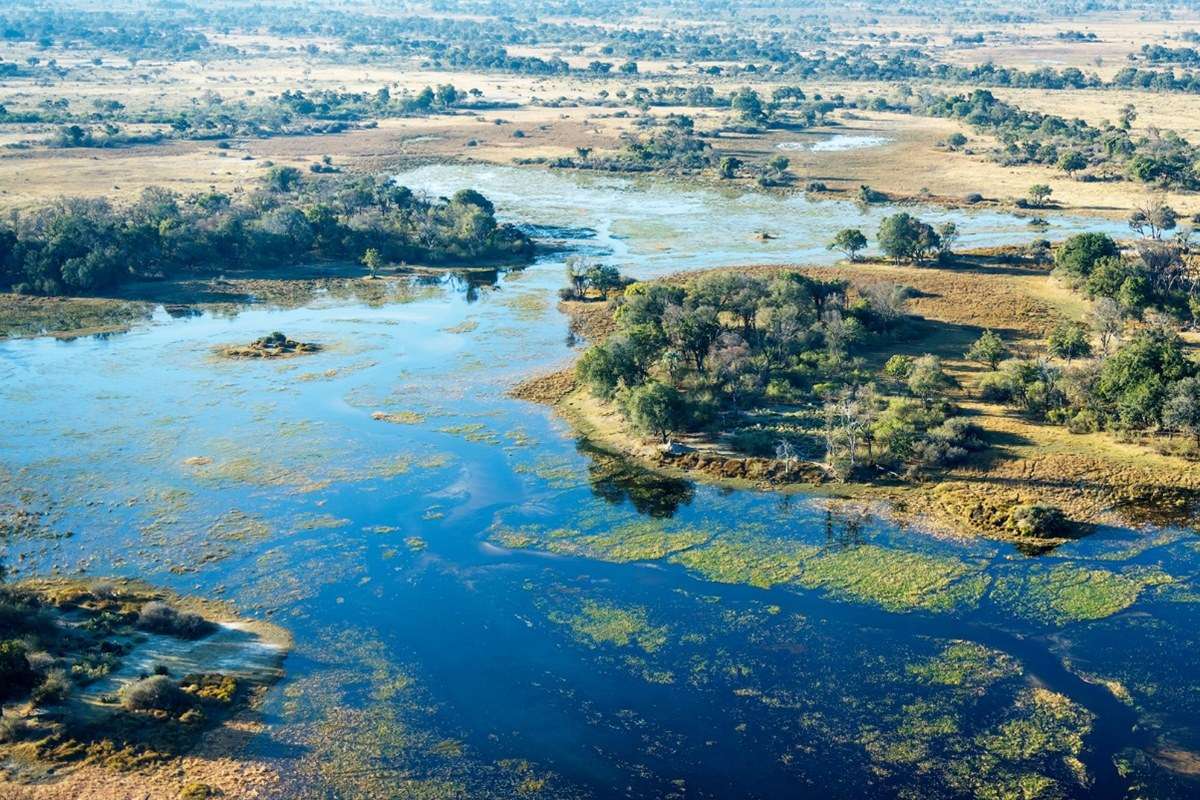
(53, 690)
(158, 617)
(1037, 521)
(13, 729)
(995, 388)
(755, 442)
(16, 676)
(157, 693)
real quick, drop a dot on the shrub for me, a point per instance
(53, 690)
(1038, 521)
(755, 442)
(13, 729)
(158, 617)
(156, 693)
(16, 676)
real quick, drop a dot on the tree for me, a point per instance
(1107, 321)
(1153, 219)
(1134, 381)
(849, 241)
(947, 236)
(653, 407)
(748, 105)
(1078, 254)
(1069, 340)
(1039, 193)
(1182, 410)
(1127, 115)
(903, 236)
(956, 140)
(730, 166)
(1072, 162)
(927, 379)
(372, 261)
(988, 349)
(283, 179)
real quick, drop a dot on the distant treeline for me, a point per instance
(78, 246)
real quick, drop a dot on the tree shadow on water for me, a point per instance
(617, 480)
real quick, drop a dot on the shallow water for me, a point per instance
(837, 143)
(482, 607)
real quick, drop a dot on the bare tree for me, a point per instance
(1108, 323)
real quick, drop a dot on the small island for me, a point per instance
(275, 345)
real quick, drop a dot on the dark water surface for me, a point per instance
(483, 607)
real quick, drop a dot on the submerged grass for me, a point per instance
(603, 623)
(895, 579)
(749, 558)
(1069, 593)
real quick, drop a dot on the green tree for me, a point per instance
(653, 407)
(1072, 162)
(927, 379)
(1039, 193)
(1069, 340)
(850, 241)
(988, 349)
(729, 167)
(903, 236)
(748, 105)
(1134, 381)
(1078, 254)
(372, 261)
(1182, 410)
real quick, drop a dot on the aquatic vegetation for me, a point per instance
(895, 579)
(598, 623)
(1069, 593)
(968, 666)
(399, 417)
(747, 557)
(473, 432)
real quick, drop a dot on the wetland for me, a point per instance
(481, 602)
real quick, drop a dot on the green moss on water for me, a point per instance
(604, 624)
(1069, 593)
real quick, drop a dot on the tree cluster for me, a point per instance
(78, 246)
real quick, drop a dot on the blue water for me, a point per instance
(431, 658)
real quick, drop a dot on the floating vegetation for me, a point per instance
(320, 522)
(598, 623)
(645, 540)
(466, 326)
(238, 526)
(1068, 593)
(399, 417)
(968, 666)
(895, 579)
(473, 432)
(751, 558)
